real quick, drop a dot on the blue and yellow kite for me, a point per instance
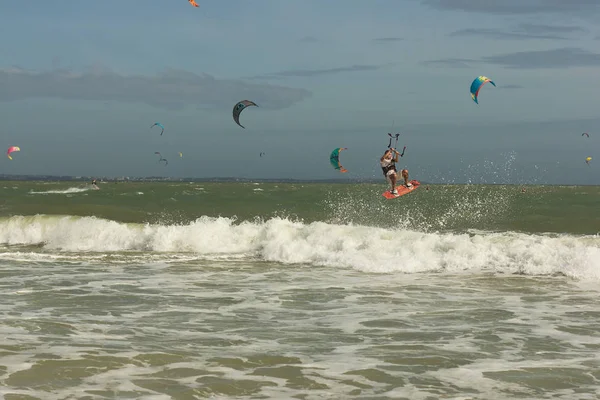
(477, 85)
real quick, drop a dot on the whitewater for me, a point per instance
(363, 248)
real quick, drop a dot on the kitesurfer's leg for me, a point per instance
(392, 178)
(405, 176)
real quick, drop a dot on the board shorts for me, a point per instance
(390, 173)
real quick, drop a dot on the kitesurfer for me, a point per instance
(94, 185)
(388, 165)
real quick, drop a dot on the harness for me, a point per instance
(388, 168)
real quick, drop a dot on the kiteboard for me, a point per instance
(402, 190)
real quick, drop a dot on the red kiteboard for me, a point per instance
(402, 190)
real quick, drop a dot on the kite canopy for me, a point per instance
(477, 85)
(239, 107)
(160, 126)
(12, 149)
(585, 134)
(181, 154)
(587, 160)
(193, 2)
(161, 158)
(334, 159)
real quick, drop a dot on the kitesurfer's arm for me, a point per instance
(387, 152)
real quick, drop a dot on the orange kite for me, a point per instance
(193, 2)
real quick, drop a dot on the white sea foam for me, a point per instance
(66, 191)
(367, 249)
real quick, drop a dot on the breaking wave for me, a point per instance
(364, 248)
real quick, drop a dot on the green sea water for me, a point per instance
(559, 209)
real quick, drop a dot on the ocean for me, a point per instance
(189, 290)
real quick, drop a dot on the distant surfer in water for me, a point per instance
(94, 184)
(388, 165)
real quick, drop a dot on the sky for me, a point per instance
(81, 83)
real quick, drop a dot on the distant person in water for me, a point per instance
(388, 166)
(94, 185)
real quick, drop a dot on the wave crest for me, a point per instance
(365, 248)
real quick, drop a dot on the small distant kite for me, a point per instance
(193, 2)
(239, 107)
(477, 85)
(334, 159)
(587, 160)
(180, 154)
(160, 126)
(161, 158)
(585, 134)
(12, 149)
(261, 154)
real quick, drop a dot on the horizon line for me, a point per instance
(67, 178)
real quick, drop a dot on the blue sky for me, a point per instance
(82, 82)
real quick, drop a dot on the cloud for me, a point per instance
(565, 57)
(542, 29)
(450, 62)
(517, 6)
(523, 31)
(387, 39)
(316, 72)
(498, 34)
(171, 89)
(509, 87)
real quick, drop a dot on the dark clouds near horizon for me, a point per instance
(171, 89)
(388, 40)
(305, 73)
(523, 31)
(565, 57)
(582, 7)
(510, 86)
